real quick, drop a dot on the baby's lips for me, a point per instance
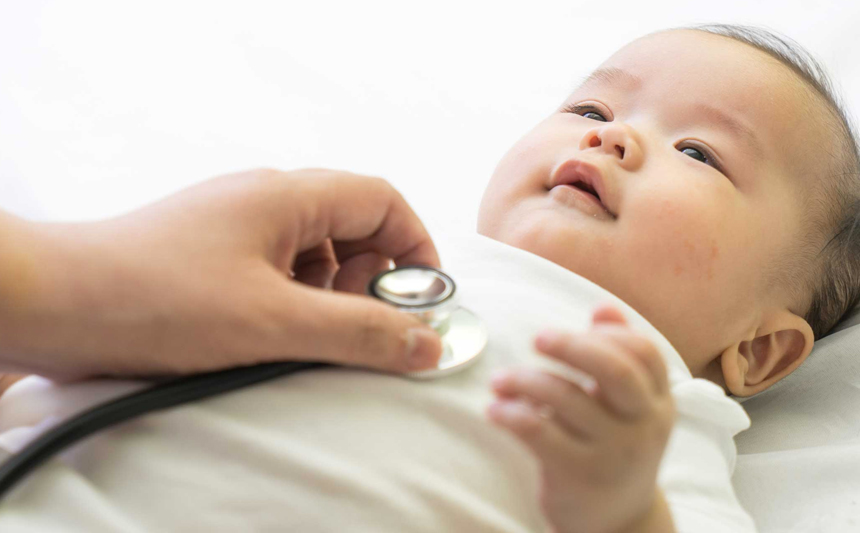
(574, 171)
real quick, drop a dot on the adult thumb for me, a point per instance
(357, 330)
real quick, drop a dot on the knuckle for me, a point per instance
(563, 342)
(644, 346)
(530, 429)
(382, 184)
(640, 344)
(515, 383)
(265, 173)
(652, 355)
(619, 371)
(318, 175)
(314, 171)
(376, 183)
(522, 386)
(527, 379)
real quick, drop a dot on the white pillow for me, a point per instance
(798, 466)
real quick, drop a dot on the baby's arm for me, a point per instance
(600, 449)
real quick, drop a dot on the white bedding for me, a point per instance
(347, 450)
(799, 464)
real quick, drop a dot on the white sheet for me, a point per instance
(799, 463)
(346, 450)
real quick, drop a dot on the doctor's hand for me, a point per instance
(241, 269)
(599, 446)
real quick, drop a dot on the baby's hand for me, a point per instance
(600, 448)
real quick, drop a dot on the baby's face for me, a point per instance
(698, 208)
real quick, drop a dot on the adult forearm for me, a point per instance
(45, 275)
(19, 272)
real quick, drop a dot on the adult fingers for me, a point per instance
(316, 267)
(363, 214)
(623, 382)
(357, 271)
(350, 329)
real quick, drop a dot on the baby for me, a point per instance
(708, 178)
(685, 177)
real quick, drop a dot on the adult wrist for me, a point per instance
(47, 284)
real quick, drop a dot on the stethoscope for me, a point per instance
(426, 292)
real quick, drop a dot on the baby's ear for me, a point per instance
(780, 344)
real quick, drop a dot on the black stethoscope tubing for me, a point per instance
(161, 396)
(179, 391)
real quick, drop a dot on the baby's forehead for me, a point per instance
(697, 65)
(693, 72)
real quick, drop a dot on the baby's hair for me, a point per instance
(833, 275)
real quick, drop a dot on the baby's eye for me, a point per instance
(695, 154)
(594, 115)
(586, 111)
(700, 154)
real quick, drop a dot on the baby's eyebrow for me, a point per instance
(611, 76)
(729, 122)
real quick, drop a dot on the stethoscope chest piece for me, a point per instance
(431, 296)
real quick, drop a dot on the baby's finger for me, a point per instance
(624, 383)
(607, 313)
(642, 348)
(545, 438)
(569, 405)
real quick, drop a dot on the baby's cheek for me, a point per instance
(686, 242)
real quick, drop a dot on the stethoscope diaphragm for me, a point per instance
(428, 292)
(431, 295)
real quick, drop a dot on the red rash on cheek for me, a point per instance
(697, 259)
(715, 252)
(693, 250)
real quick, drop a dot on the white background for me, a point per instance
(107, 106)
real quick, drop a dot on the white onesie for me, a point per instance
(342, 450)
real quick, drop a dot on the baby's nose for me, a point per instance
(613, 139)
(596, 141)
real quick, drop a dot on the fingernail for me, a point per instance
(422, 348)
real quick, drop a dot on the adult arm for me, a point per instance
(233, 271)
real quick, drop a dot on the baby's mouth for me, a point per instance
(581, 185)
(580, 198)
(588, 189)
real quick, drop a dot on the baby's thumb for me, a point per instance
(359, 330)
